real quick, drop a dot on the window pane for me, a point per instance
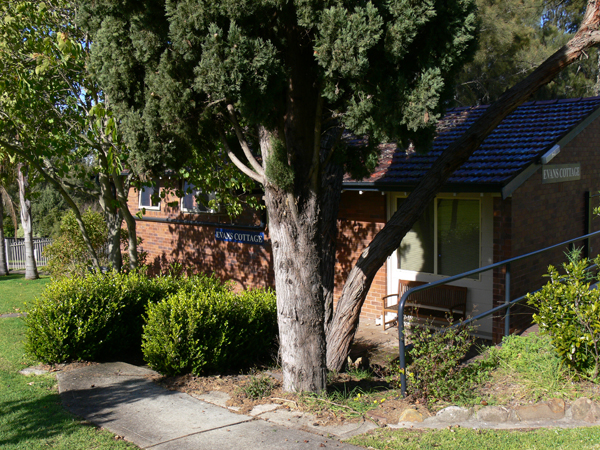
(146, 197)
(195, 201)
(458, 236)
(416, 250)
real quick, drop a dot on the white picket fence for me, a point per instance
(15, 252)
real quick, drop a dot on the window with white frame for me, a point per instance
(148, 196)
(445, 240)
(195, 201)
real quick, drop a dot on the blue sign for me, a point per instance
(242, 237)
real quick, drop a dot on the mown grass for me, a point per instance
(466, 439)
(31, 414)
(15, 290)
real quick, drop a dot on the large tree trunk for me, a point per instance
(31, 272)
(345, 321)
(294, 236)
(3, 261)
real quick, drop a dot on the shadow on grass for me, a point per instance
(36, 418)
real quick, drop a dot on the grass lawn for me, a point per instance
(31, 415)
(463, 439)
(15, 290)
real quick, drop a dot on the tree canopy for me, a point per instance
(262, 83)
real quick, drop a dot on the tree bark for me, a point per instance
(113, 219)
(345, 321)
(3, 261)
(330, 205)
(121, 189)
(31, 272)
(294, 232)
(299, 297)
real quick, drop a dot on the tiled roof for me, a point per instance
(527, 133)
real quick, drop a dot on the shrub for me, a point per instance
(569, 312)
(209, 330)
(68, 255)
(97, 316)
(435, 372)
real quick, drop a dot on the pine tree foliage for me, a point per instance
(169, 67)
(516, 36)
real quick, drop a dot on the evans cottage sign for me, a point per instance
(557, 173)
(242, 237)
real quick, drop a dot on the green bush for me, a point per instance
(68, 255)
(435, 372)
(97, 316)
(569, 312)
(210, 330)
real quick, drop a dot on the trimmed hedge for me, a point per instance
(210, 330)
(99, 316)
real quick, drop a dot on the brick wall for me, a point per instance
(542, 215)
(194, 245)
(361, 217)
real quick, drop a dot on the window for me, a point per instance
(196, 201)
(146, 194)
(445, 240)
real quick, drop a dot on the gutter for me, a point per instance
(260, 227)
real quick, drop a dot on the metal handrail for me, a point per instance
(507, 304)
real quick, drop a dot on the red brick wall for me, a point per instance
(361, 217)
(542, 215)
(195, 246)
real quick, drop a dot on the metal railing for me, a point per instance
(15, 252)
(506, 306)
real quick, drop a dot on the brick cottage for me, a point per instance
(530, 185)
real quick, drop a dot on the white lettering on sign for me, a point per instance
(239, 236)
(561, 172)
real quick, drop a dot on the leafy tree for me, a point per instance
(516, 37)
(54, 116)
(186, 76)
(6, 176)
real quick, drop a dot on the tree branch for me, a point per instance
(245, 147)
(343, 328)
(17, 151)
(260, 177)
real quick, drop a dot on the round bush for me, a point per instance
(210, 330)
(98, 316)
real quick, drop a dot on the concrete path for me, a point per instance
(122, 398)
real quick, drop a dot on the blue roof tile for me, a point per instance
(523, 136)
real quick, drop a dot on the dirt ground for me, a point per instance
(375, 346)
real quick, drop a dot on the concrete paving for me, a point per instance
(123, 399)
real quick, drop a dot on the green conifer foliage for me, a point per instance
(184, 77)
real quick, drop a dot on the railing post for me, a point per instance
(401, 346)
(507, 300)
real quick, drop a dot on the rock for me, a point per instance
(411, 415)
(540, 411)
(593, 415)
(215, 397)
(497, 414)
(557, 406)
(259, 409)
(580, 408)
(453, 414)
(33, 371)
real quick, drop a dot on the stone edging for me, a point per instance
(555, 412)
